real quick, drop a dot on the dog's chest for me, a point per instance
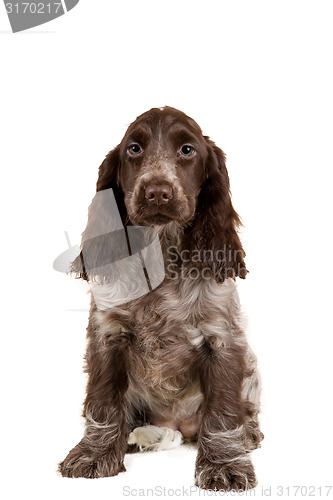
(162, 353)
(171, 326)
(163, 361)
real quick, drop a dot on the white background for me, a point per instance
(257, 76)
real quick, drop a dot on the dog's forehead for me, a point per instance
(163, 121)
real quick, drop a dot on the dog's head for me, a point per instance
(161, 167)
(165, 170)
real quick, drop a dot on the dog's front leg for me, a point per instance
(222, 461)
(101, 451)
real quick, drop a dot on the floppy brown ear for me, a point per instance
(212, 238)
(108, 177)
(106, 216)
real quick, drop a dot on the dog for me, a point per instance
(167, 358)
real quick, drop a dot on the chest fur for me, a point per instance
(170, 326)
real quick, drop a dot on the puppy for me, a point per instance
(167, 358)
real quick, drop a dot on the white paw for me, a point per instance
(153, 438)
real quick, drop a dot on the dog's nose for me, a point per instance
(159, 195)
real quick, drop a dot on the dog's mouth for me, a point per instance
(158, 219)
(151, 217)
(157, 215)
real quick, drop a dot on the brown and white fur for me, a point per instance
(173, 362)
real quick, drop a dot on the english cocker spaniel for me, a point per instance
(167, 358)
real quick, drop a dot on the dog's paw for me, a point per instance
(83, 461)
(236, 475)
(154, 438)
(253, 439)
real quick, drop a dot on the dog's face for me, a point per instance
(162, 167)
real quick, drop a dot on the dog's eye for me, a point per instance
(134, 149)
(187, 150)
